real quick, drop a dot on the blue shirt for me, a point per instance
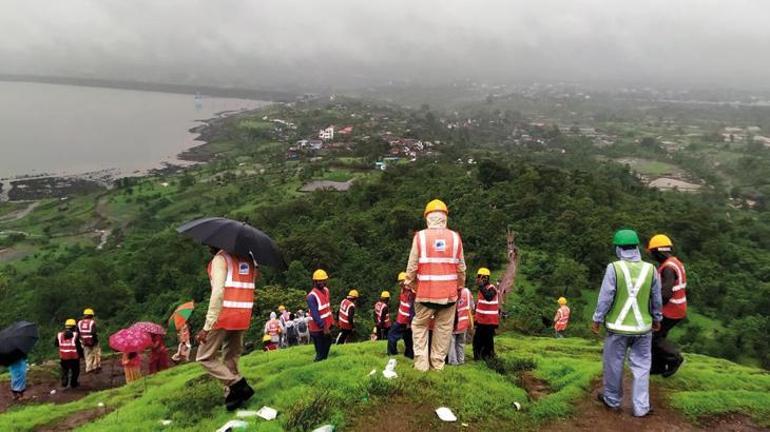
(312, 304)
(609, 283)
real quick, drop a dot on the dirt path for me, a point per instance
(20, 214)
(78, 419)
(391, 416)
(592, 415)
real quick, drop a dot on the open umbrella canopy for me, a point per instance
(16, 341)
(130, 340)
(235, 237)
(181, 314)
(149, 327)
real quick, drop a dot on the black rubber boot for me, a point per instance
(234, 399)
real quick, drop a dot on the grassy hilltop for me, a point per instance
(549, 378)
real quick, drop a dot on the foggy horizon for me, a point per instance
(305, 44)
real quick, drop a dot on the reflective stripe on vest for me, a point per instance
(383, 319)
(324, 309)
(85, 327)
(440, 252)
(462, 322)
(488, 311)
(405, 302)
(676, 308)
(67, 347)
(631, 305)
(238, 296)
(344, 315)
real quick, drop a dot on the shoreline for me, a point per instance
(33, 187)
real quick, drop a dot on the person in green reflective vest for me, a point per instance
(630, 306)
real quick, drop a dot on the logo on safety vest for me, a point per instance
(243, 268)
(439, 245)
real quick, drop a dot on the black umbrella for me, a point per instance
(16, 341)
(238, 238)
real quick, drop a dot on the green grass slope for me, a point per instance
(341, 392)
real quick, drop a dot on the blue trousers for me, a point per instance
(639, 350)
(398, 331)
(322, 343)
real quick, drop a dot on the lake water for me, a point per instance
(62, 129)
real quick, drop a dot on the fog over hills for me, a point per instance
(312, 44)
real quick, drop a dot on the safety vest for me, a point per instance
(85, 328)
(344, 315)
(676, 308)
(562, 318)
(68, 349)
(440, 250)
(273, 327)
(488, 311)
(405, 303)
(238, 299)
(324, 309)
(630, 312)
(464, 318)
(383, 318)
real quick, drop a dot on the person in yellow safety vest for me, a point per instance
(322, 319)
(346, 317)
(666, 357)
(382, 315)
(70, 352)
(90, 341)
(561, 319)
(629, 305)
(435, 271)
(233, 280)
(402, 328)
(487, 316)
(274, 329)
(463, 322)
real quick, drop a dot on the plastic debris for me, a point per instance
(100, 404)
(165, 422)
(374, 371)
(445, 414)
(324, 428)
(232, 425)
(53, 392)
(389, 374)
(244, 413)
(517, 405)
(464, 424)
(391, 366)
(267, 413)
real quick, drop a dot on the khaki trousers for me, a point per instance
(224, 366)
(93, 357)
(442, 334)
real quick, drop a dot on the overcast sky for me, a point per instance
(350, 43)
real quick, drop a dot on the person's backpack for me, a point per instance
(301, 326)
(291, 330)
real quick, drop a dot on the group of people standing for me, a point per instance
(285, 329)
(78, 339)
(436, 311)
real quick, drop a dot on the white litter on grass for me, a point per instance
(445, 414)
(464, 424)
(374, 371)
(53, 392)
(233, 424)
(517, 405)
(324, 428)
(267, 413)
(243, 414)
(100, 404)
(389, 374)
(165, 422)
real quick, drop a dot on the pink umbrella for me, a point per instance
(149, 327)
(130, 340)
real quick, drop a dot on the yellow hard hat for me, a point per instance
(659, 241)
(281, 308)
(353, 293)
(562, 301)
(483, 272)
(88, 311)
(435, 205)
(70, 323)
(402, 276)
(320, 275)
(385, 294)
(266, 338)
